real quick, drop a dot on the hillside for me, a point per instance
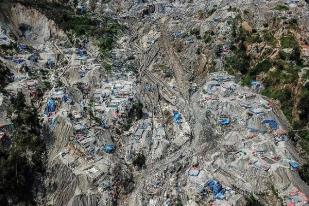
(164, 102)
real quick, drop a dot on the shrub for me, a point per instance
(295, 55)
(139, 160)
(252, 201)
(304, 173)
(20, 172)
(195, 31)
(207, 37)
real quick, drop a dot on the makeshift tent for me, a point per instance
(216, 189)
(178, 34)
(109, 148)
(194, 171)
(33, 57)
(212, 86)
(255, 85)
(50, 107)
(272, 123)
(257, 110)
(254, 124)
(177, 117)
(50, 63)
(224, 121)
(81, 52)
(18, 61)
(22, 47)
(282, 138)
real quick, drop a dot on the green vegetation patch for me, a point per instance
(281, 7)
(262, 66)
(269, 38)
(288, 41)
(207, 38)
(22, 162)
(285, 98)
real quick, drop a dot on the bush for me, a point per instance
(21, 165)
(252, 201)
(5, 75)
(304, 105)
(295, 56)
(139, 160)
(207, 37)
(293, 23)
(195, 32)
(304, 173)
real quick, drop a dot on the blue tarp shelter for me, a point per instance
(109, 148)
(216, 189)
(256, 85)
(34, 57)
(178, 34)
(19, 61)
(177, 117)
(50, 63)
(272, 123)
(294, 165)
(224, 121)
(81, 52)
(51, 106)
(22, 47)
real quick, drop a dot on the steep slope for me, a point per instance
(161, 102)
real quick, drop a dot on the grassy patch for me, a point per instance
(281, 7)
(288, 41)
(262, 66)
(207, 38)
(269, 38)
(285, 98)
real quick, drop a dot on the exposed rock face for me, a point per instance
(25, 20)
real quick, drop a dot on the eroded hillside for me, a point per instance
(154, 102)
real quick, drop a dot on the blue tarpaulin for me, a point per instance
(109, 148)
(104, 125)
(294, 165)
(50, 63)
(22, 47)
(178, 34)
(33, 57)
(51, 106)
(256, 85)
(177, 117)
(81, 52)
(216, 189)
(18, 61)
(224, 121)
(272, 123)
